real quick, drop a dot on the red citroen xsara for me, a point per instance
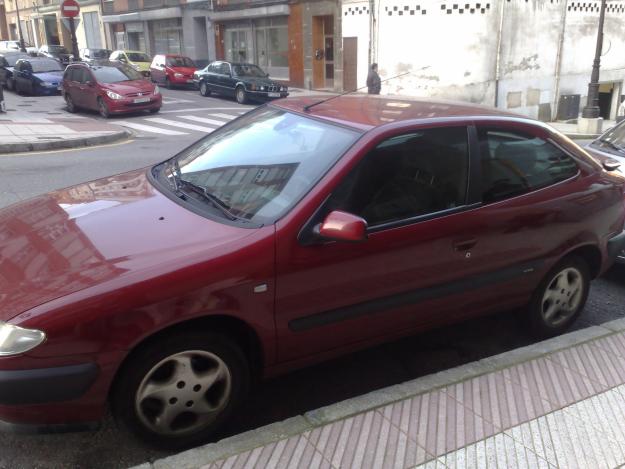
(295, 233)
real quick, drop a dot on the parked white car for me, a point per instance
(15, 45)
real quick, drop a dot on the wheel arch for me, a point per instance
(238, 330)
(591, 254)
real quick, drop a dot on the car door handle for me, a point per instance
(465, 244)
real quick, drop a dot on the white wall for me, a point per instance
(460, 47)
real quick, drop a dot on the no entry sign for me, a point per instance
(70, 8)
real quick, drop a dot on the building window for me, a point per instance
(167, 36)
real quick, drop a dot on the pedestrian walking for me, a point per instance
(373, 80)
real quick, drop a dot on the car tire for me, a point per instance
(204, 90)
(69, 102)
(160, 388)
(10, 84)
(155, 110)
(559, 298)
(240, 95)
(103, 108)
(167, 83)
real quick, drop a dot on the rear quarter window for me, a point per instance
(514, 164)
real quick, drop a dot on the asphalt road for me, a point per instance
(25, 175)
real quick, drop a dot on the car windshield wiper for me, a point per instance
(612, 145)
(213, 199)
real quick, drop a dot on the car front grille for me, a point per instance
(137, 95)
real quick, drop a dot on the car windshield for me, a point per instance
(614, 138)
(138, 57)
(115, 74)
(180, 62)
(246, 70)
(57, 50)
(12, 58)
(260, 165)
(40, 66)
(99, 53)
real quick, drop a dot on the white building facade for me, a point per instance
(532, 57)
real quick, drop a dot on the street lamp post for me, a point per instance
(591, 110)
(19, 26)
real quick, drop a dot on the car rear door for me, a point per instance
(89, 89)
(225, 79)
(416, 268)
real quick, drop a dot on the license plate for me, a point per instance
(141, 100)
(59, 88)
(274, 95)
(190, 81)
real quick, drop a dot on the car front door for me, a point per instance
(23, 77)
(416, 268)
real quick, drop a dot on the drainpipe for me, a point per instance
(372, 21)
(498, 57)
(556, 87)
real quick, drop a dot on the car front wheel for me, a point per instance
(103, 108)
(241, 95)
(560, 297)
(10, 84)
(204, 90)
(178, 391)
(69, 102)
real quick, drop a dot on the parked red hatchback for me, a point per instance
(109, 88)
(172, 70)
(293, 234)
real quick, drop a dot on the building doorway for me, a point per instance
(609, 99)
(323, 51)
(350, 63)
(52, 30)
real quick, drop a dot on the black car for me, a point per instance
(55, 52)
(38, 76)
(242, 81)
(7, 64)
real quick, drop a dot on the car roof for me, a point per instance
(369, 111)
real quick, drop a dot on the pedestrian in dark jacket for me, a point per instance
(373, 80)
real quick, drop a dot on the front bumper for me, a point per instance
(265, 96)
(121, 106)
(616, 248)
(45, 385)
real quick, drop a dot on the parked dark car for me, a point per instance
(293, 234)
(109, 88)
(91, 55)
(7, 64)
(38, 76)
(55, 52)
(172, 70)
(198, 74)
(609, 149)
(240, 80)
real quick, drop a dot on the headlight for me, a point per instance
(178, 75)
(262, 88)
(15, 340)
(156, 89)
(46, 83)
(113, 95)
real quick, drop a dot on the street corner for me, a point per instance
(19, 134)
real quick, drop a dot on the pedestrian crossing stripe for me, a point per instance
(203, 120)
(224, 116)
(149, 128)
(183, 125)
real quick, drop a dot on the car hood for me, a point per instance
(65, 241)
(128, 87)
(259, 81)
(143, 66)
(49, 76)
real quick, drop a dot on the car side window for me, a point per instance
(406, 176)
(69, 74)
(514, 164)
(224, 69)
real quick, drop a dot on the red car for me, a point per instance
(296, 233)
(109, 88)
(172, 70)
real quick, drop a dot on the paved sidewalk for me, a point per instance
(571, 130)
(554, 404)
(41, 123)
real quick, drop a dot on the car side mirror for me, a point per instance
(342, 226)
(90, 83)
(611, 165)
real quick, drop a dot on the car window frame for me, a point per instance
(526, 133)
(307, 236)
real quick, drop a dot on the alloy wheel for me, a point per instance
(183, 393)
(562, 297)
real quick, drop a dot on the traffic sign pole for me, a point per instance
(70, 9)
(72, 30)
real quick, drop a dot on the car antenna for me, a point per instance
(309, 106)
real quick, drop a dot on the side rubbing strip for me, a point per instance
(411, 297)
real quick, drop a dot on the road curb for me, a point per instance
(8, 148)
(204, 455)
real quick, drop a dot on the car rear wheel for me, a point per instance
(560, 297)
(69, 102)
(241, 95)
(103, 108)
(177, 392)
(204, 90)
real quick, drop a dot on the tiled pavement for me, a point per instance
(559, 404)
